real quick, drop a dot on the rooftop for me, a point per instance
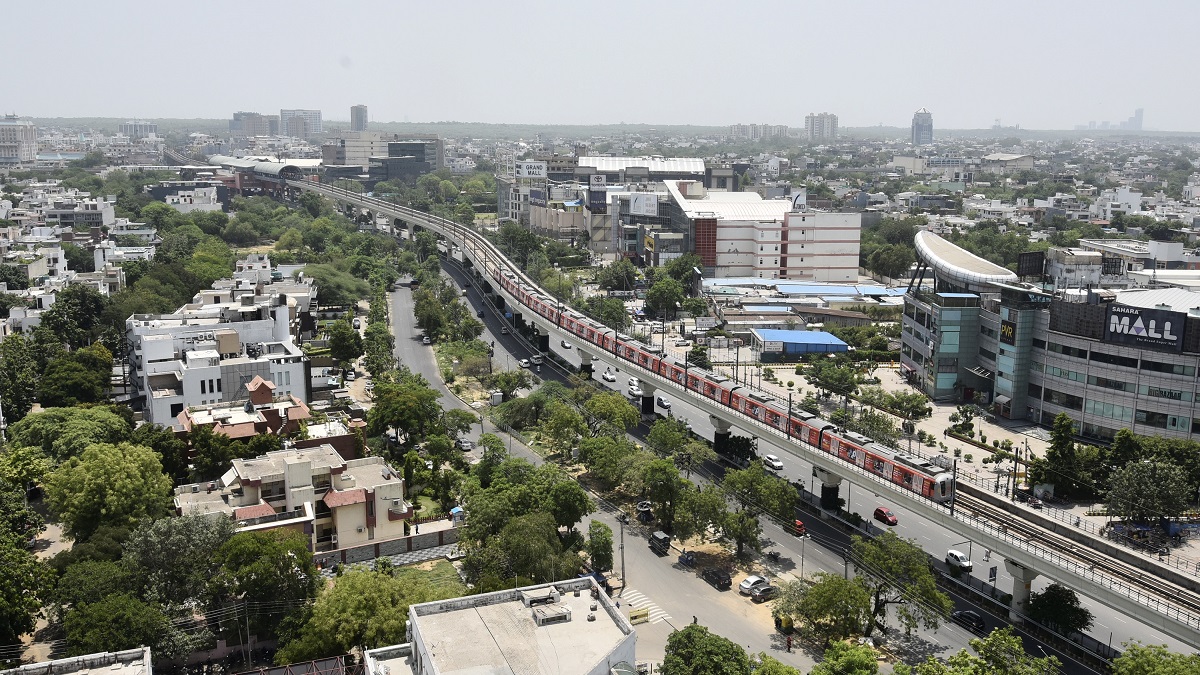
(129, 662)
(654, 164)
(960, 265)
(729, 205)
(1170, 299)
(807, 337)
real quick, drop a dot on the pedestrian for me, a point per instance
(789, 644)
(693, 619)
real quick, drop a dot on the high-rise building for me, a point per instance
(1133, 123)
(18, 140)
(823, 127)
(254, 124)
(358, 118)
(922, 127)
(138, 129)
(312, 123)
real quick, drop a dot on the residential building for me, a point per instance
(1004, 162)
(300, 123)
(137, 130)
(566, 627)
(922, 127)
(358, 118)
(196, 199)
(260, 411)
(755, 132)
(822, 127)
(250, 124)
(18, 141)
(134, 661)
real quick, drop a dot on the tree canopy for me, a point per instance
(108, 484)
(697, 651)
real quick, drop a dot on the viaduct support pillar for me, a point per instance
(1022, 580)
(830, 488)
(721, 433)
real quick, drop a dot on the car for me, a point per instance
(719, 579)
(749, 583)
(663, 403)
(357, 323)
(465, 445)
(536, 359)
(884, 515)
(969, 619)
(1035, 503)
(799, 529)
(524, 363)
(504, 330)
(764, 593)
(660, 542)
(608, 376)
(633, 382)
(958, 560)
(772, 462)
(425, 340)
(479, 314)
(682, 343)
(565, 344)
(350, 376)
(636, 392)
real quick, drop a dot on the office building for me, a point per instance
(822, 127)
(136, 130)
(300, 123)
(250, 124)
(18, 141)
(922, 127)
(358, 118)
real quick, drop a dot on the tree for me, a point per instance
(696, 651)
(693, 454)
(18, 377)
(600, 546)
(840, 380)
(1000, 653)
(345, 343)
(68, 383)
(891, 261)
(409, 405)
(896, 571)
(23, 579)
(744, 529)
(17, 518)
(760, 492)
(663, 485)
(568, 503)
(619, 276)
(562, 425)
(212, 452)
(698, 357)
(682, 269)
(769, 665)
(1058, 607)
(509, 381)
(698, 510)
(89, 581)
(1147, 490)
(172, 452)
(1139, 659)
(171, 558)
(664, 297)
(1060, 466)
(114, 623)
(108, 484)
(667, 436)
(833, 608)
(610, 414)
(335, 287)
(842, 658)
(265, 567)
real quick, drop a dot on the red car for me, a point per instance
(884, 515)
(798, 529)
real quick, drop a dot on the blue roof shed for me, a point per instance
(791, 344)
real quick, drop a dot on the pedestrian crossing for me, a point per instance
(637, 600)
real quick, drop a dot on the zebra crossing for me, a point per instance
(637, 600)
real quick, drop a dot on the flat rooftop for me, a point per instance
(496, 632)
(128, 662)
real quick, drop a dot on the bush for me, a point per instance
(969, 457)
(791, 384)
(958, 452)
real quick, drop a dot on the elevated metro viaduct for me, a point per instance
(1174, 613)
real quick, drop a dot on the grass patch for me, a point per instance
(428, 507)
(440, 577)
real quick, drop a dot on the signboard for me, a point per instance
(1008, 332)
(992, 574)
(531, 169)
(648, 242)
(597, 182)
(537, 197)
(1111, 266)
(643, 204)
(772, 346)
(706, 322)
(1031, 264)
(598, 201)
(1143, 327)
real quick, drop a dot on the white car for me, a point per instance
(958, 559)
(524, 363)
(565, 344)
(636, 392)
(772, 462)
(750, 582)
(633, 382)
(664, 403)
(607, 376)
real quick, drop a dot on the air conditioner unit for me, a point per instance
(333, 539)
(395, 502)
(359, 529)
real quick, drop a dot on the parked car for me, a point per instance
(660, 542)
(350, 375)
(764, 593)
(608, 376)
(465, 445)
(772, 462)
(663, 403)
(884, 515)
(749, 583)
(719, 579)
(524, 363)
(565, 344)
(425, 340)
(969, 619)
(682, 343)
(958, 560)
(357, 323)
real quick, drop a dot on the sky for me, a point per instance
(1049, 64)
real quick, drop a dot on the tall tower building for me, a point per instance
(922, 127)
(823, 127)
(311, 123)
(358, 118)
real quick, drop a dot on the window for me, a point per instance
(1117, 385)
(1169, 394)
(1169, 368)
(990, 332)
(1114, 360)
(987, 353)
(1066, 350)
(202, 389)
(1072, 375)
(1063, 400)
(218, 386)
(1109, 410)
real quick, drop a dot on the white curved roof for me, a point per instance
(954, 263)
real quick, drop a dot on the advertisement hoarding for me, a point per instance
(1008, 333)
(648, 242)
(1031, 264)
(706, 322)
(772, 346)
(1145, 328)
(537, 197)
(643, 204)
(531, 169)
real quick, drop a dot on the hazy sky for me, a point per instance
(1048, 64)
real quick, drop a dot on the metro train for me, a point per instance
(910, 473)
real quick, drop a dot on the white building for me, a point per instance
(18, 141)
(300, 123)
(196, 199)
(822, 127)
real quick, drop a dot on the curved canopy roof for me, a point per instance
(958, 265)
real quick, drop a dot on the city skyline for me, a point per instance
(459, 81)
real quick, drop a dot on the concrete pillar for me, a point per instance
(830, 487)
(541, 340)
(1022, 581)
(585, 362)
(647, 404)
(721, 433)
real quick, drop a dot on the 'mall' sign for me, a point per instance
(1146, 328)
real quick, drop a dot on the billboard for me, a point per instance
(537, 197)
(598, 201)
(1112, 266)
(597, 182)
(1146, 328)
(531, 169)
(706, 322)
(1008, 332)
(772, 346)
(648, 242)
(643, 204)
(1031, 264)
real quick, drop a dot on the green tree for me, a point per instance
(18, 377)
(841, 658)
(600, 546)
(610, 414)
(664, 485)
(90, 581)
(832, 608)
(335, 287)
(68, 383)
(18, 518)
(265, 567)
(112, 624)
(896, 572)
(698, 357)
(409, 405)
(171, 558)
(665, 297)
(568, 503)
(1145, 491)
(212, 452)
(619, 276)
(562, 426)
(696, 651)
(682, 269)
(172, 452)
(1058, 607)
(345, 343)
(667, 436)
(108, 484)
(698, 510)
(1139, 659)
(1060, 466)
(507, 382)
(693, 454)
(23, 580)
